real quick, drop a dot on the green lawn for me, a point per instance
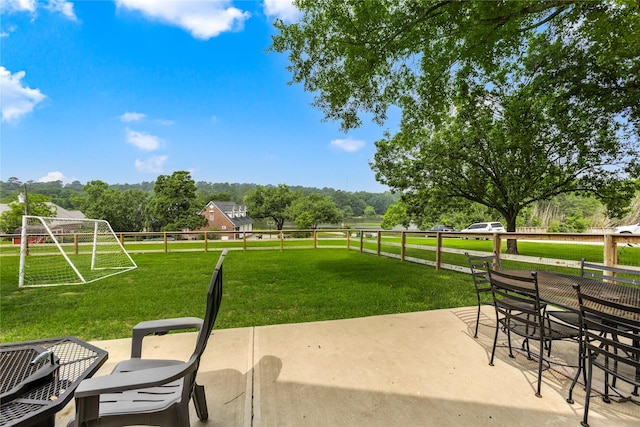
(260, 288)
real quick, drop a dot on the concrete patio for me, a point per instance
(414, 369)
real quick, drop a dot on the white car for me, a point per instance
(484, 227)
(628, 229)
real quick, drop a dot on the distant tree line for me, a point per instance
(173, 202)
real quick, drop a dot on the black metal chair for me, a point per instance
(478, 264)
(618, 275)
(520, 311)
(612, 339)
(150, 391)
(604, 272)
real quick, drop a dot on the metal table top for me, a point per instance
(77, 360)
(557, 289)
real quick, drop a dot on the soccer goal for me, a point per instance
(65, 251)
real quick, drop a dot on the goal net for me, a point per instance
(64, 251)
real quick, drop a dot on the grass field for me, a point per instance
(260, 288)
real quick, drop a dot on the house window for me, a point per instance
(224, 227)
(211, 216)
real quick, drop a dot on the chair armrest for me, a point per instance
(160, 327)
(123, 381)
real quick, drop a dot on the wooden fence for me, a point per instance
(441, 250)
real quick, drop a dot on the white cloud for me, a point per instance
(349, 145)
(16, 100)
(18, 5)
(63, 7)
(132, 117)
(203, 18)
(142, 140)
(281, 9)
(55, 176)
(165, 122)
(153, 164)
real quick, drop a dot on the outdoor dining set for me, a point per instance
(599, 310)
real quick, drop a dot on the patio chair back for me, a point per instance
(608, 273)
(478, 267)
(214, 298)
(612, 335)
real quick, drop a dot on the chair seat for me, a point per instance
(552, 330)
(144, 400)
(569, 317)
(141, 401)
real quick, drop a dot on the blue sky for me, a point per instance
(123, 91)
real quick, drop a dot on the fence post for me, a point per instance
(497, 244)
(610, 253)
(348, 239)
(438, 250)
(379, 242)
(206, 242)
(75, 243)
(281, 240)
(361, 241)
(315, 239)
(166, 245)
(244, 240)
(403, 245)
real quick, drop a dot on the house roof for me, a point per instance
(60, 211)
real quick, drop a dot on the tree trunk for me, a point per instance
(512, 244)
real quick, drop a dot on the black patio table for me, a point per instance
(54, 367)
(557, 289)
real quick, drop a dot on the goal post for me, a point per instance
(62, 251)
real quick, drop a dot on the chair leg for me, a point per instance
(495, 342)
(540, 358)
(200, 402)
(475, 335)
(581, 369)
(585, 422)
(509, 342)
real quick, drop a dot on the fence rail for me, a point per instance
(442, 249)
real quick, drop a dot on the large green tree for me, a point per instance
(124, 210)
(172, 205)
(509, 59)
(396, 214)
(270, 202)
(312, 210)
(513, 138)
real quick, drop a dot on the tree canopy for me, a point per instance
(366, 56)
(270, 202)
(172, 205)
(502, 103)
(312, 210)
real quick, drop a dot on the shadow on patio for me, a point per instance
(422, 368)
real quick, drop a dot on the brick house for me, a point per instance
(227, 216)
